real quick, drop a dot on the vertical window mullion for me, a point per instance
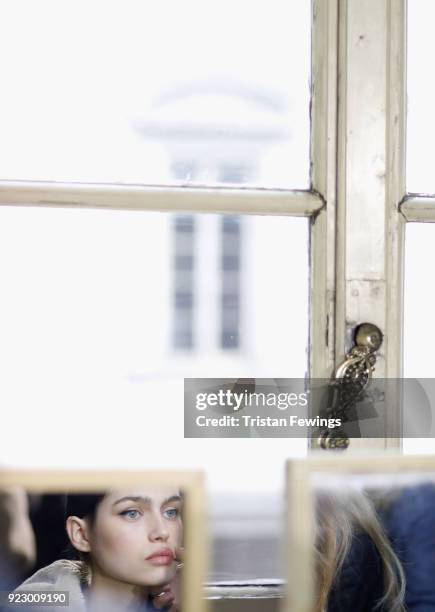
(370, 174)
(323, 181)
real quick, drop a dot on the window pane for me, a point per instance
(421, 97)
(419, 332)
(99, 324)
(189, 93)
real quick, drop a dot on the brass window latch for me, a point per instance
(348, 383)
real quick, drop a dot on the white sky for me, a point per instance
(77, 75)
(421, 97)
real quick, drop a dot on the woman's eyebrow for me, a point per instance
(146, 500)
(173, 498)
(138, 498)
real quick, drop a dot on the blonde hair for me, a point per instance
(340, 516)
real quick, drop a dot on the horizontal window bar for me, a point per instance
(256, 590)
(138, 197)
(418, 208)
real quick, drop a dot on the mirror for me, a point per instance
(93, 542)
(361, 534)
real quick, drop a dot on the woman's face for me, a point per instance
(134, 536)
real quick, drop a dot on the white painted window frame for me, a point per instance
(371, 183)
(357, 204)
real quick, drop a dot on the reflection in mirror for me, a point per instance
(17, 538)
(121, 549)
(374, 540)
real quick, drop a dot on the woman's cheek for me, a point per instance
(177, 533)
(117, 536)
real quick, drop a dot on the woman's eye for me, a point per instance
(131, 514)
(171, 513)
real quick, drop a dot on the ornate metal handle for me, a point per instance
(348, 383)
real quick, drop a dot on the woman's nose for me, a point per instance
(158, 530)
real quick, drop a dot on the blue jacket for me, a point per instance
(359, 586)
(410, 524)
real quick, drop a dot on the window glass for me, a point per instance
(198, 92)
(421, 97)
(103, 314)
(419, 333)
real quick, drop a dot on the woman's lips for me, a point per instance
(165, 556)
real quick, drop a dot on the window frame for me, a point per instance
(371, 130)
(341, 151)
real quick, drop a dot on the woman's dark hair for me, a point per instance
(82, 506)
